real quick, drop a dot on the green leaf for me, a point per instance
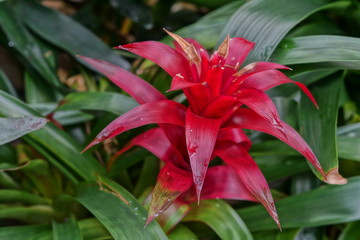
(61, 148)
(25, 44)
(103, 101)
(5, 84)
(318, 127)
(277, 167)
(38, 214)
(65, 33)
(331, 51)
(21, 232)
(136, 10)
(181, 232)
(13, 128)
(266, 22)
(66, 230)
(118, 211)
(11, 196)
(330, 204)
(91, 229)
(206, 30)
(38, 91)
(349, 148)
(348, 141)
(352, 231)
(221, 218)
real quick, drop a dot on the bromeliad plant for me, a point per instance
(222, 101)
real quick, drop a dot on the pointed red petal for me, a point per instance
(171, 182)
(233, 83)
(156, 142)
(178, 82)
(201, 134)
(259, 102)
(223, 182)
(165, 111)
(140, 90)
(235, 135)
(246, 168)
(239, 48)
(163, 55)
(247, 118)
(272, 78)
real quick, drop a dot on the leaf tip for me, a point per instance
(333, 177)
(94, 142)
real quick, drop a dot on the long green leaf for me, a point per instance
(266, 22)
(11, 196)
(54, 140)
(206, 30)
(104, 101)
(39, 214)
(221, 218)
(91, 229)
(66, 230)
(318, 127)
(348, 141)
(6, 85)
(25, 44)
(118, 211)
(352, 231)
(331, 51)
(181, 232)
(13, 128)
(326, 205)
(21, 232)
(64, 32)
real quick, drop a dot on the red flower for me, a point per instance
(188, 138)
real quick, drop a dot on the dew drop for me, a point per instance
(217, 205)
(168, 199)
(156, 215)
(167, 173)
(136, 214)
(11, 44)
(136, 208)
(141, 119)
(144, 218)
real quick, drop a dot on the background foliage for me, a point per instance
(48, 190)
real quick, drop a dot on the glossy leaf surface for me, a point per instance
(109, 204)
(13, 128)
(330, 204)
(221, 218)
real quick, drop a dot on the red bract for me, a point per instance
(188, 138)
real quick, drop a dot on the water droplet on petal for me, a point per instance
(156, 215)
(141, 119)
(168, 199)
